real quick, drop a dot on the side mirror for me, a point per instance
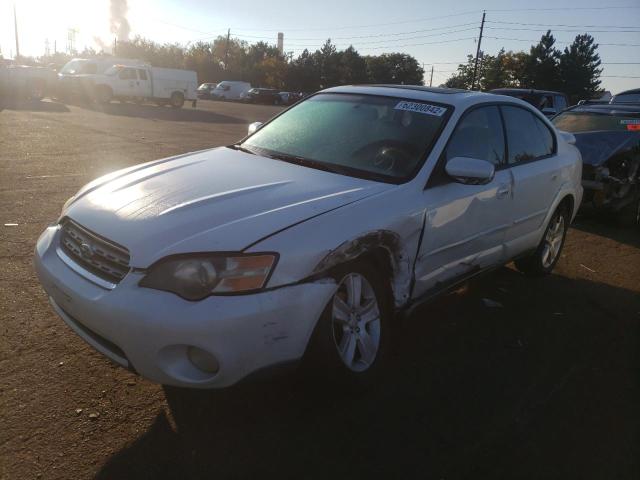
(255, 126)
(470, 171)
(568, 137)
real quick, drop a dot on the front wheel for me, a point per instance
(352, 338)
(542, 261)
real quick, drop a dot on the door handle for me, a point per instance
(503, 191)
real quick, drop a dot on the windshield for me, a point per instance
(589, 121)
(360, 135)
(76, 67)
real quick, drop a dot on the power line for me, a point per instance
(566, 43)
(394, 40)
(561, 25)
(508, 10)
(368, 36)
(564, 30)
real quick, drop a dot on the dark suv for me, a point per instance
(264, 95)
(548, 102)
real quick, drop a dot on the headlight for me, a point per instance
(196, 277)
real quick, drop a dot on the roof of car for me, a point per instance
(607, 108)
(629, 92)
(524, 90)
(452, 96)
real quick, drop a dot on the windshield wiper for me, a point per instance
(307, 162)
(237, 146)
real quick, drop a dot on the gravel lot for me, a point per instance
(544, 386)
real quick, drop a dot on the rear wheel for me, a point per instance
(352, 338)
(542, 261)
(177, 100)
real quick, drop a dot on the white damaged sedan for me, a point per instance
(308, 237)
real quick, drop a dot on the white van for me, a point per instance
(231, 90)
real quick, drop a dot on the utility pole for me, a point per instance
(15, 26)
(431, 79)
(475, 67)
(47, 50)
(226, 50)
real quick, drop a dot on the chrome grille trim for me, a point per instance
(94, 257)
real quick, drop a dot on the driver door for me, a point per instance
(466, 225)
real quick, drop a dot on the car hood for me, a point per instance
(213, 200)
(598, 147)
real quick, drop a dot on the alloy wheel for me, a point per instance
(356, 322)
(553, 240)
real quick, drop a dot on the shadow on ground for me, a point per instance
(33, 106)
(608, 226)
(543, 386)
(155, 112)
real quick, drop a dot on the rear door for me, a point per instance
(466, 224)
(532, 159)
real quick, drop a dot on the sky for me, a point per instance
(438, 33)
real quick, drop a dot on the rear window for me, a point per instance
(627, 98)
(589, 121)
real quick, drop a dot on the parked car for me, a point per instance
(289, 98)
(205, 90)
(264, 95)
(628, 96)
(548, 102)
(144, 83)
(307, 238)
(609, 138)
(231, 90)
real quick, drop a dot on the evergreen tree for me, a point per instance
(580, 69)
(541, 66)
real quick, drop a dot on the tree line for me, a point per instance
(575, 70)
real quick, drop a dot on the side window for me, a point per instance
(561, 103)
(527, 137)
(142, 74)
(127, 74)
(479, 135)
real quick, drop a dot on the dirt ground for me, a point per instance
(544, 386)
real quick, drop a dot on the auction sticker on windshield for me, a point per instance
(421, 108)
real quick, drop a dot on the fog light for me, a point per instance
(203, 360)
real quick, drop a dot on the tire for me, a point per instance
(544, 259)
(103, 94)
(629, 216)
(177, 100)
(353, 344)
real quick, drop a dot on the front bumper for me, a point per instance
(149, 331)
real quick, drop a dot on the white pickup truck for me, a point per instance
(145, 83)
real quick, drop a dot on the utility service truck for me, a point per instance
(146, 83)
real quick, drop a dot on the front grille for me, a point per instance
(98, 255)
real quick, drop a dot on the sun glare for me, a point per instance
(40, 21)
